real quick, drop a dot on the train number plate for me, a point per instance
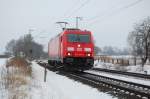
(79, 49)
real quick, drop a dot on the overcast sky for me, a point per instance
(109, 20)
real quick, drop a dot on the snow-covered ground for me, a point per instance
(136, 69)
(2, 62)
(56, 87)
(61, 87)
(13, 83)
(125, 78)
(2, 65)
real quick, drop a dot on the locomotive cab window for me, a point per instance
(82, 38)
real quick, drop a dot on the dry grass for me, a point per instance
(15, 81)
(17, 62)
(20, 64)
(110, 59)
(15, 78)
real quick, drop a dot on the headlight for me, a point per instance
(87, 49)
(89, 54)
(70, 48)
(69, 54)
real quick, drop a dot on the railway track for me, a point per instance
(131, 87)
(139, 90)
(137, 75)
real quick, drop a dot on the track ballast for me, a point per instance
(135, 89)
(138, 75)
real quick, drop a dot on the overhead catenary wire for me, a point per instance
(38, 35)
(43, 32)
(104, 12)
(102, 17)
(72, 7)
(72, 12)
(77, 9)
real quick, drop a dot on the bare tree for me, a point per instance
(139, 40)
(108, 50)
(10, 47)
(25, 45)
(111, 50)
(97, 50)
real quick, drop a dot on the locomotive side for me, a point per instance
(73, 49)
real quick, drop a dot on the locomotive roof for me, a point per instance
(71, 30)
(74, 30)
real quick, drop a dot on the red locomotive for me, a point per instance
(73, 49)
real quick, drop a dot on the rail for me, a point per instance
(98, 80)
(146, 76)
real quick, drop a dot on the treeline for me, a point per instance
(139, 40)
(110, 50)
(26, 47)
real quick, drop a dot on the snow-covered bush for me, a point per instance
(15, 77)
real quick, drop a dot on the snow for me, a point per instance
(56, 87)
(61, 87)
(130, 79)
(138, 69)
(2, 64)
(19, 84)
(135, 69)
(2, 61)
(2, 90)
(103, 65)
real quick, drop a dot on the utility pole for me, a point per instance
(30, 45)
(45, 73)
(77, 21)
(30, 31)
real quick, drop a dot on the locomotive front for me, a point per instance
(78, 49)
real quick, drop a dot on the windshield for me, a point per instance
(83, 38)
